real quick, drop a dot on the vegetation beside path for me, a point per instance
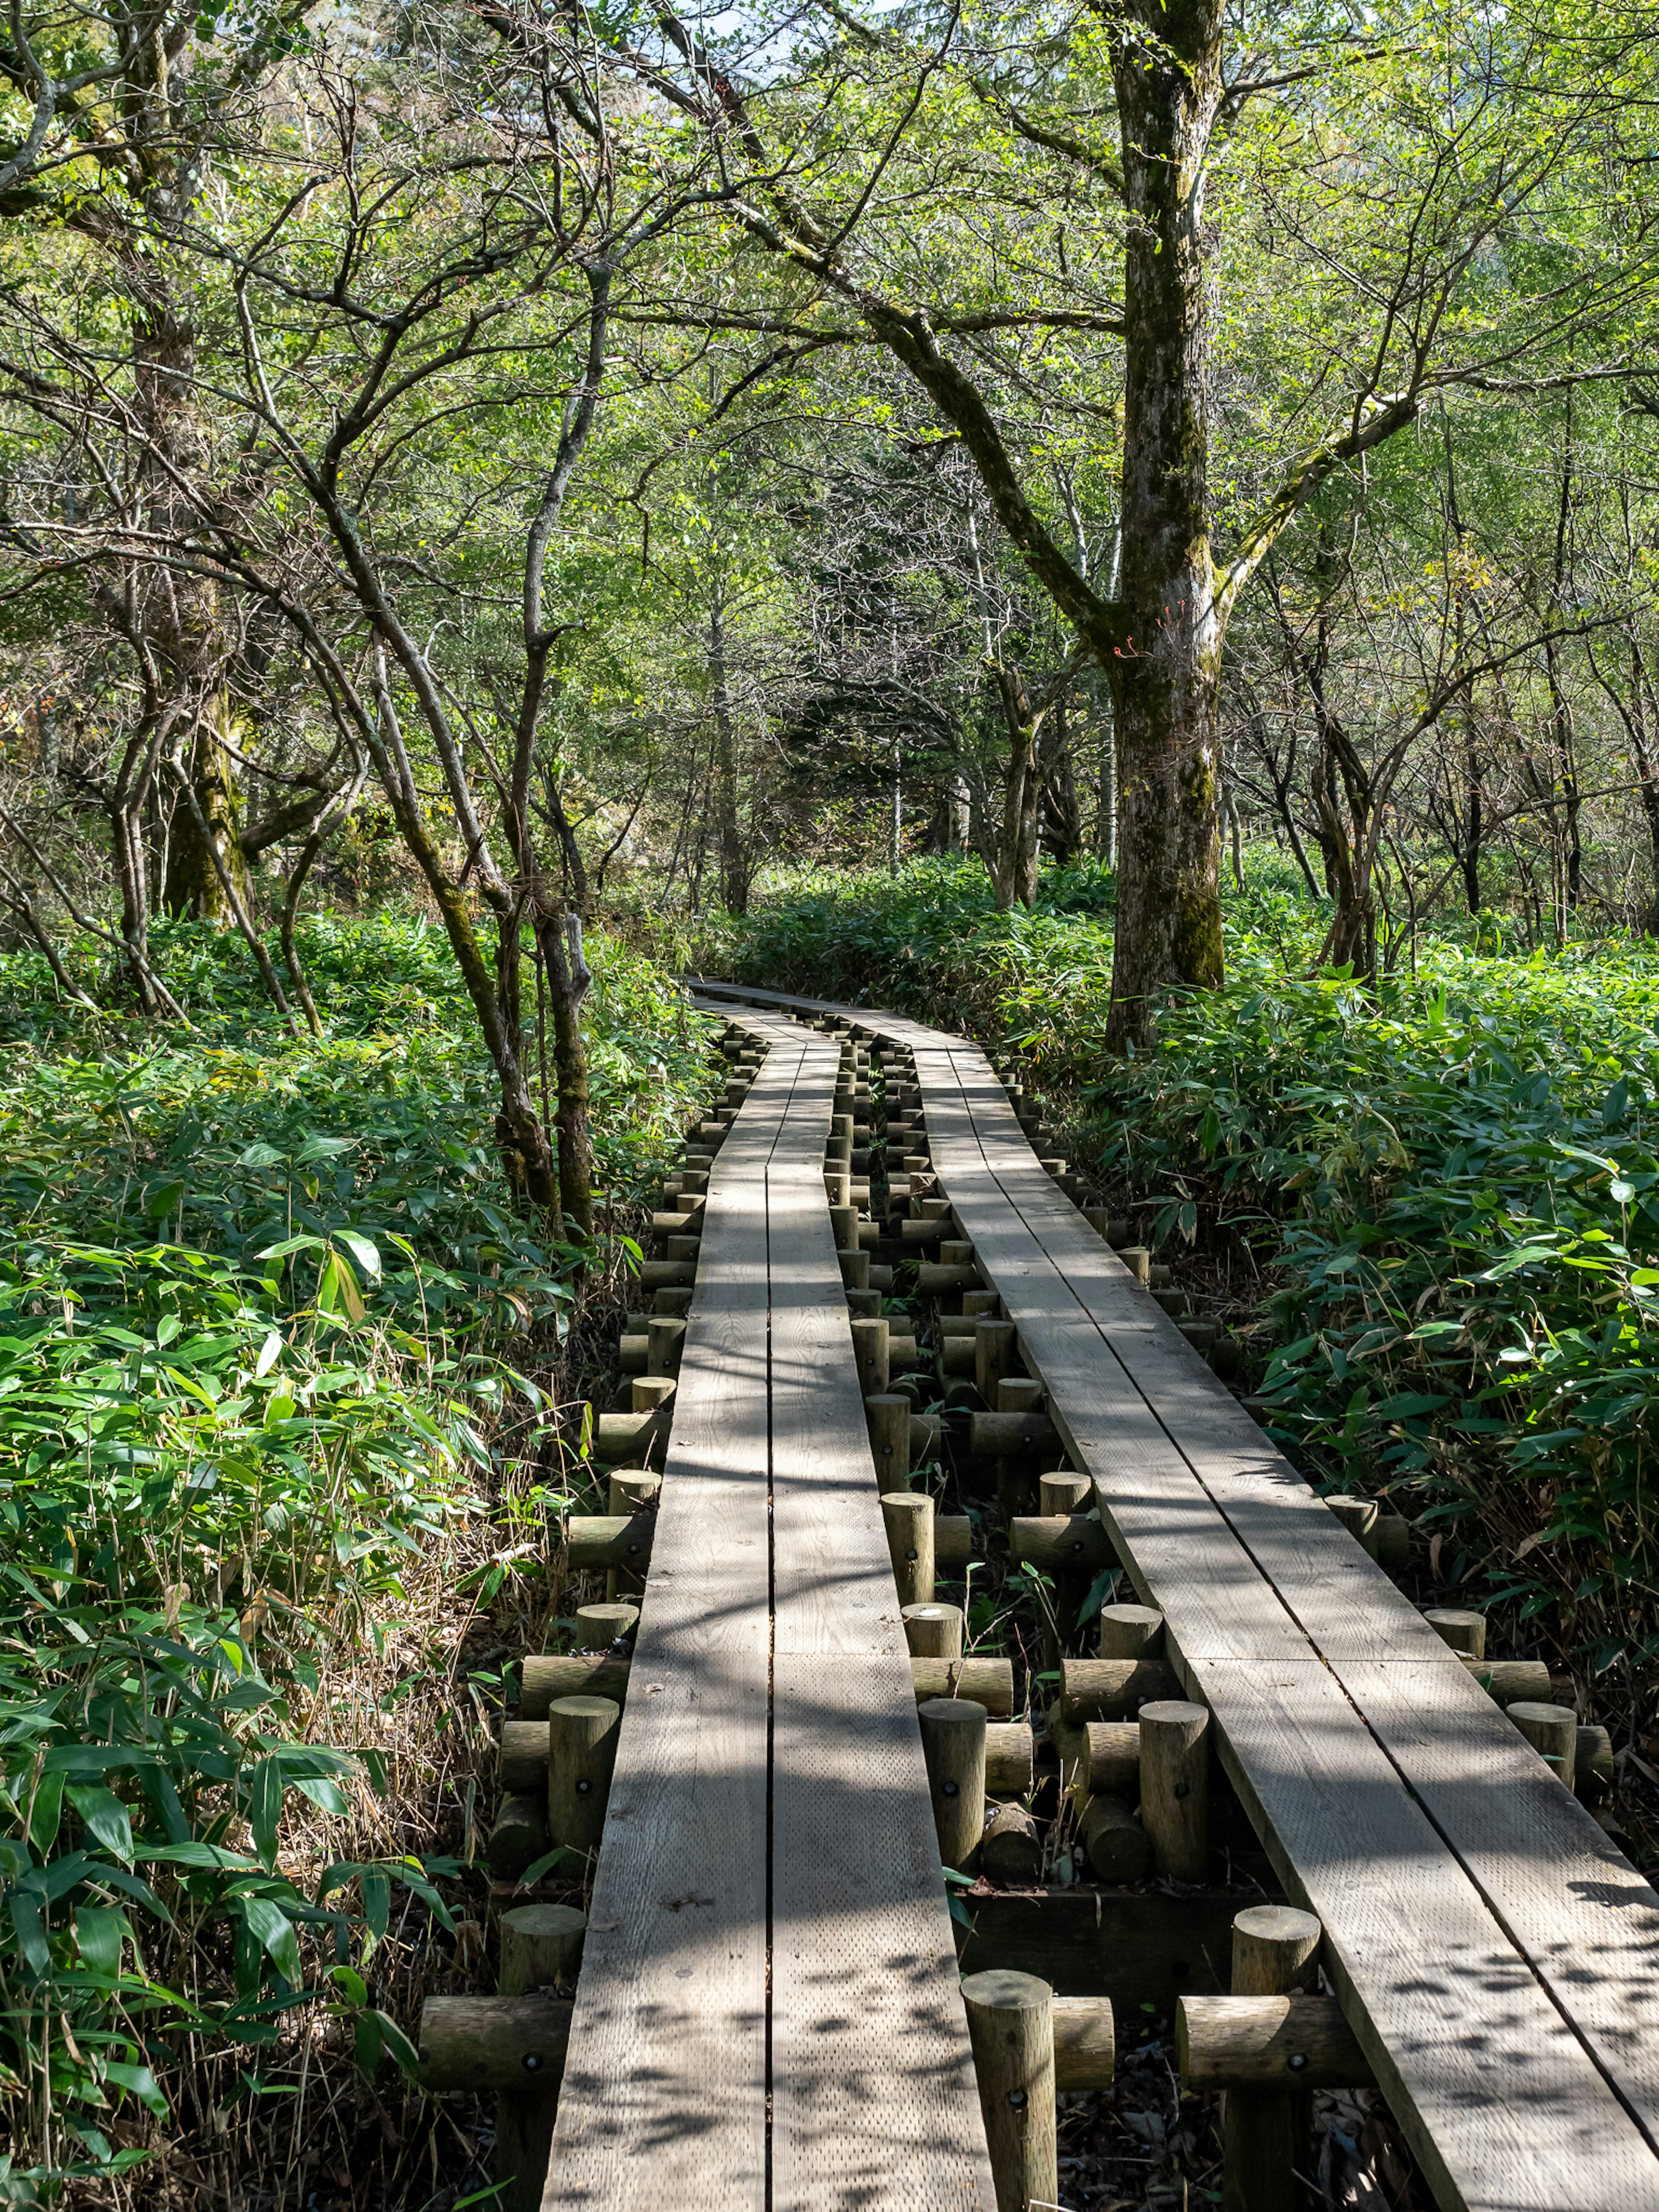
(280, 1369)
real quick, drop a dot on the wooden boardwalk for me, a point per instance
(1496, 1954)
(768, 2013)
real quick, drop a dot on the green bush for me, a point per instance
(266, 1308)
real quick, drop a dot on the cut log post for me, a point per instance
(582, 1752)
(988, 1682)
(1112, 1689)
(1466, 1632)
(934, 1631)
(600, 1626)
(1593, 1771)
(872, 1351)
(548, 1675)
(953, 1746)
(1508, 1682)
(518, 1836)
(1117, 1846)
(1109, 1759)
(1077, 1544)
(631, 1493)
(625, 1439)
(1552, 1732)
(1174, 1788)
(1267, 2134)
(996, 1347)
(667, 1336)
(908, 1516)
(1131, 1631)
(541, 1949)
(482, 2043)
(888, 1414)
(1267, 2043)
(1006, 1436)
(1358, 1517)
(593, 1540)
(1011, 1759)
(1392, 1537)
(521, 1762)
(1060, 1496)
(1012, 1847)
(1139, 1261)
(953, 1544)
(1086, 2044)
(646, 1392)
(1011, 2026)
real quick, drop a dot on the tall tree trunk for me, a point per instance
(1013, 869)
(1167, 68)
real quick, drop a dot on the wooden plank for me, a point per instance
(1494, 2088)
(664, 2094)
(873, 2093)
(1569, 1901)
(875, 2101)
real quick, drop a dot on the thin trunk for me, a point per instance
(567, 979)
(734, 873)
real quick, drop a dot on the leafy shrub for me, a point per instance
(263, 1305)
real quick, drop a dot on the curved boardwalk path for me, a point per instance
(1496, 1954)
(767, 2017)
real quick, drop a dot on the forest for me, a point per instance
(1129, 532)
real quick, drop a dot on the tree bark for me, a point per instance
(1165, 680)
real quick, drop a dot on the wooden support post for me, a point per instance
(909, 1516)
(1010, 1759)
(1269, 2043)
(888, 1417)
(481, 2043)
(1063, 1495)
(1174, 1788)
(934, 1631)
(1131, 1631)
(1110, 1758)
(1012, 1847)
(988, 1682)
(996, 1346)
(1112, 1689)
(1010, 2026)
(953, 1746)
(667, 1336)
(1465, 1632)
(1552, 1732)
(1085, 2043)
(581, 1750)
(1139, 1261)
(1118, 1847)
(548, 1675)
(600, 1626)
(872, 1346)
(1266, 2133)
(1358, 1517)
(518, 1836)
(541, 1949)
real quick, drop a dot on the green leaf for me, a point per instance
(275, 1932)
(362, 1251)
(46, 1813)
(140, 2082)
(265, 1809)
(105, 1817)
(99, 1931)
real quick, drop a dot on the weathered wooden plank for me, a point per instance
(874, 2096)
(664, 2094)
